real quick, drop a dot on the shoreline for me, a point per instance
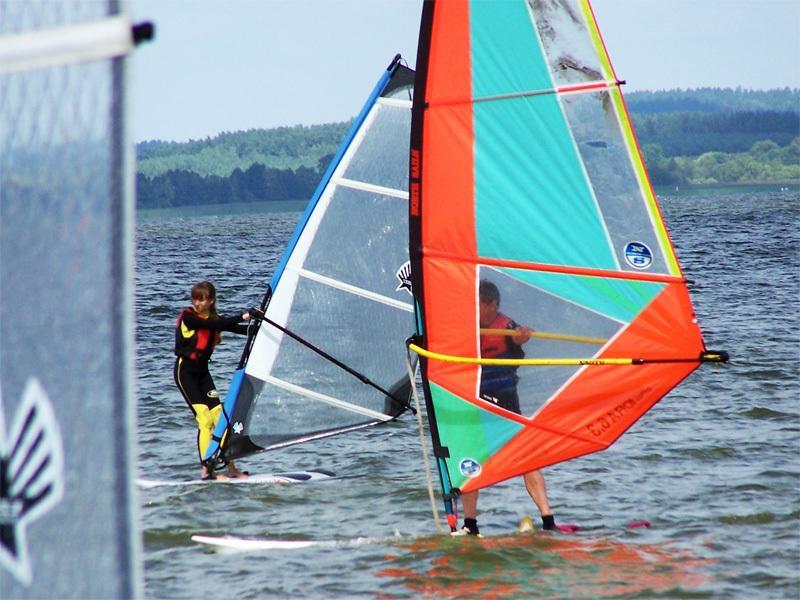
(196, 210)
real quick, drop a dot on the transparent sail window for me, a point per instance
(382, 157)
(363, 241)
(606, 158)
(544, 311)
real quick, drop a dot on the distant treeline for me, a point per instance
(256, 184)
(714, 100)
(691, 136)
(764, 161)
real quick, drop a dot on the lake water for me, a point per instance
(714, 466)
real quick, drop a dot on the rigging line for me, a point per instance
(360, 376)
(425, 459)
(548, 336)
(716, 356)
(550, 268)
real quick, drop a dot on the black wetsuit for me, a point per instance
(195, 339)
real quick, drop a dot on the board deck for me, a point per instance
(258, 478)
(244, 544)
(526, 525)
(232, 543)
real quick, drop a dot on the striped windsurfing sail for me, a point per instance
(525, 173)
(341, 301)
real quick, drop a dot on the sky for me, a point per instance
(218, 66)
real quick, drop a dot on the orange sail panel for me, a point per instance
(531, 211)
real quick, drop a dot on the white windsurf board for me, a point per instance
(258, 478)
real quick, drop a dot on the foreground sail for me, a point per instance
(68, 507)
(525, 173)
(341, 287)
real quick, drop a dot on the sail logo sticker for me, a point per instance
(404, 277)
(238, 427)
(31, 475)
(469, 467)
(638, 255)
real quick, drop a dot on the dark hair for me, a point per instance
(487, 291)
(206, 289)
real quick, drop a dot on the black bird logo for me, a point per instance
(31, 474)
(404, 277)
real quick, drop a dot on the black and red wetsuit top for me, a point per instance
(196, 335)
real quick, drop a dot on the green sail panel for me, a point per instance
(472, 434)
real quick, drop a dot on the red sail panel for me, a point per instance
(448, 206)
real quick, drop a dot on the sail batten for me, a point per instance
(372, 414)
(366, 187)
(588, 87)
(552, 268)
(340, 285)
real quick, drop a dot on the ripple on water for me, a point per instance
(759, 412)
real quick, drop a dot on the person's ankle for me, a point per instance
(472, 525)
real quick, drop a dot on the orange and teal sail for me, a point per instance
(525, 172)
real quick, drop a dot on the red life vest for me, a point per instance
(496, 378)
(493, 346)
(194, 343)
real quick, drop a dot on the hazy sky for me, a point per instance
(240, 64)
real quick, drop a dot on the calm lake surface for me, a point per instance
(714, 466)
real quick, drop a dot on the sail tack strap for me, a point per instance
(56, 46)
(719, 356)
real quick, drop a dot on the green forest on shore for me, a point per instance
(687, 137)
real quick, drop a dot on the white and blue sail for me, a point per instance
(342, 287)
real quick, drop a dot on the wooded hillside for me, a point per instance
(687, 136)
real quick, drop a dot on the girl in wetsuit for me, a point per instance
(197, 332)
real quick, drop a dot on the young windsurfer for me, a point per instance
(197, 332)
(499, 385)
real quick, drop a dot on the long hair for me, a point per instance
(206, 290)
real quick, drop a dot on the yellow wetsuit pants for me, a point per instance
(197, 387)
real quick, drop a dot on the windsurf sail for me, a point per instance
(329, 355)
(525, 173)
(67, 231)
